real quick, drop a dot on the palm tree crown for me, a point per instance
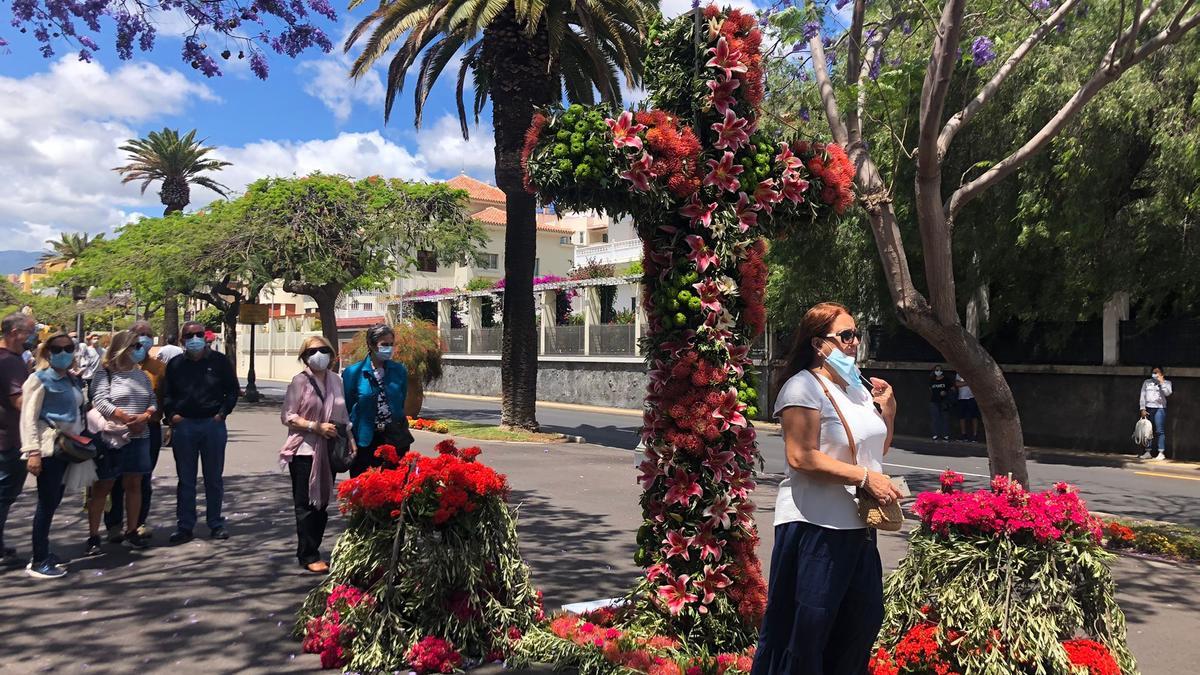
(68, 247)
(588, 43)
(174, 160)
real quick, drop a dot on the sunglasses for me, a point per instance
(847, 335)
(58, 349)
(317, 350)
(188, 336)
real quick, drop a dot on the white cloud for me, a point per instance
(329, 81)
(444, 151)
(673, 8)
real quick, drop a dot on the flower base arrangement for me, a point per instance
(1002, 581)
(422, 424)
(707, 187)
(1156, 539)
(427, 576)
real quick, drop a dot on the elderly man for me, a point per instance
(89, 359)
(15, 329)
(201, 391)
(157, 371)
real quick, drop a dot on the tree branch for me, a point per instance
(1104, 76)
(828, 98)
(854, 66)
(937, 84)
(962, 117)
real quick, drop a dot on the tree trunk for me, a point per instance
(170, 314)
(520, 81)
(326, 298)
(229, 322)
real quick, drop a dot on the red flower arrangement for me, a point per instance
(327, 635)
(649, 655)
(532, 136)
(433, 655)
(753, 288)
(436, 487)
(422, 424)
(1118, 534)
(1092, 655)
(675, 151)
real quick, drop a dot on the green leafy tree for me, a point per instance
(178, 163)
(858, 98)
(323, 235)
(522, 55)
(68, 247)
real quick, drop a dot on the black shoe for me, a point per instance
(115, 536)
(135, 541)
(219, 533)
(92, 547)
(180, 537)
(7, 552)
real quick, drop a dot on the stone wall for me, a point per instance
(590, 381)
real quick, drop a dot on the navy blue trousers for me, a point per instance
(824, 602)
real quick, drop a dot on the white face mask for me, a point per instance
(937, 371)
(319, 361)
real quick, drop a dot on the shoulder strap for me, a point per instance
(313, 381)
(842, 418)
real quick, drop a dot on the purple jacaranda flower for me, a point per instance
(982, 50)
(804, 114)
(811, 30)
(1039, 5)
(258, 64)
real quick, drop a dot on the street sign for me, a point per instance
(253, 314)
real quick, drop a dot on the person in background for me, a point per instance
(313, 407)
(52, 402)
(375, 391)
(31, 344)
(88, 359)
(825, 597)
(15, 329)
(169, 350)
(156, 371)
(1153, 403)
(201, 391)
(968, 410)
(122, 395)
(939, 404)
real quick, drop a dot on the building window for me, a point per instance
(354, 306)
(565, 241)
(489, 261)
(537, 263)
(426, 261)
(368, 306)
(604, 238)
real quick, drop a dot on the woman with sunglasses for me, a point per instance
(52, 401)
(124, 397)
(313, 409)
(825, 599)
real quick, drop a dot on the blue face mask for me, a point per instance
(61, 360)
(146, 342)
(194, 345)
(384, 353)
(138, 354)
(846, 368)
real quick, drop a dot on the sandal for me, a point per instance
(318, 567)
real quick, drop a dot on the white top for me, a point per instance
(964, 392)
(1154, 395)
(808, 499)
(89, 359)
(168, 352)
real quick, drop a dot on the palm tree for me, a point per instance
(522, 54)
(68, 248)
(177, 162)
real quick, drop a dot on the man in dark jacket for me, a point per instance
(201, 391)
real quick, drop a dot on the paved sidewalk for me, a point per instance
(226, 607)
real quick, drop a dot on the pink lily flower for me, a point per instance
(765, 195)
(729, 410)
(650, 472)
(657, 570)
(732, 133)
(720, 464)
(676, 594)
(624, 131)
(677, 545)
(683, 487)
(785, 157)
(723, 173)
(639, 173)
(725, 58)
(747, 218)
(710, 295)
(709, 545)
(721, 96)
(714, 580)
(700, 254)
(745, 514)
(741, 484)
(698, 212)
(793, 187)
(719, 512)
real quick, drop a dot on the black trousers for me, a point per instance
(310, 520)
(396, 435)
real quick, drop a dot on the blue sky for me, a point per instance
(62, 122)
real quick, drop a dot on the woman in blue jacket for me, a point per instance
(375, 391)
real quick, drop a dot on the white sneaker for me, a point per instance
(1160, 457)
(1145, 455)
(46, 570)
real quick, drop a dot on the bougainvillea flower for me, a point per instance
(732, 133)
(698, 212)
(639, 173)
(719, 513)
(677, 545)
(726, 58)
(683, 487)
(793, 187)
(721, 96)
(765, 195)
(700, 253)
(723, 173)
(710, 295)
(789, 160)
(625, 131)
(675, 594)
(747, 218)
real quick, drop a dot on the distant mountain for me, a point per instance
(12, 262)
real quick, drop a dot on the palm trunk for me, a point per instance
(520, 81)
(229, 323)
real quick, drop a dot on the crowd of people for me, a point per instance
(94, 415)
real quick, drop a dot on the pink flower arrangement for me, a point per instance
(1006, 510)
(433, 655)
(426, 292)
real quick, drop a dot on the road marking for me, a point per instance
(1165, 475)
(925, 468)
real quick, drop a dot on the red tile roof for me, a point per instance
(359, 321)
(477, 189)
(496, 216)
(492, 216)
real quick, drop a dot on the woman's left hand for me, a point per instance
(882, 392)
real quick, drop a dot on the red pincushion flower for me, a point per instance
(532, 135)
(1092, 655)
(433, 655)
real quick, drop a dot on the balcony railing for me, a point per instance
(562, 340)
(613, 340)
(614, 252)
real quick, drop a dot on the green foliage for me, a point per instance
(69, 247)
(174, 160)
(633, 269)
(480, 284)
(554, 166)
(211, 317)
(1167, 539)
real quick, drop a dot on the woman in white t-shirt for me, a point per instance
(825, 601)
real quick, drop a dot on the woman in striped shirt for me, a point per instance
(123, 397)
